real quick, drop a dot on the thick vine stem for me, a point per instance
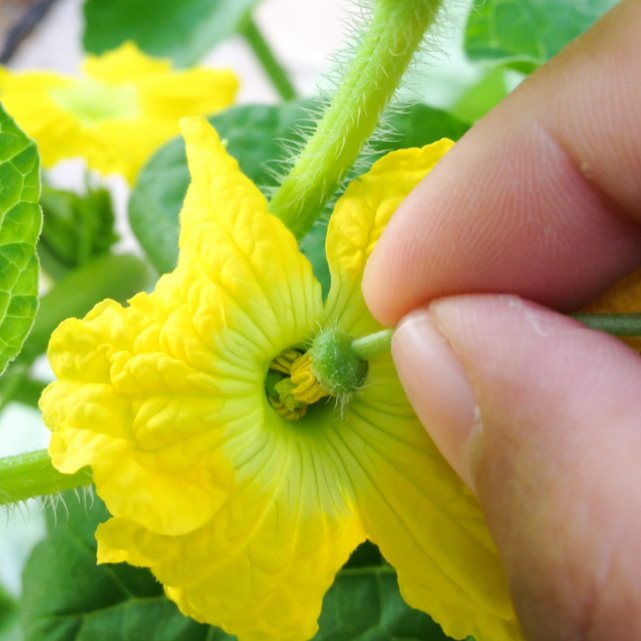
(391, 39)
(30, 475)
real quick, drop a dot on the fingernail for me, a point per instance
(437, 387)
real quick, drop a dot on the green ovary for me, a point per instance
(93, 101)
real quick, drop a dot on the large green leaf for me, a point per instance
(254, 137)
(183, 30)
(67, 597)
(20, 223)
(527, 33)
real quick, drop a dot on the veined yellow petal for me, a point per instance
(260, 568)
(622, 298)
(427, 524)
(266, 285)
(143, 394)
(358, 220)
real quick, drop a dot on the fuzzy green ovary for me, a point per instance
(372, 78)
(93, 101)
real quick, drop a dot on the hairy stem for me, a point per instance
(272, 67)
(393, 35)
(30, 475)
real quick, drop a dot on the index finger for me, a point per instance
(541, 198)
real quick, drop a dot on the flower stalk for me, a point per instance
(373, 76)
(373, 344)
(30, 475)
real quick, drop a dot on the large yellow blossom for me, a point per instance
(243, 515)
(126, 105)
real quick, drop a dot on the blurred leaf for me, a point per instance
(183, 30)
(20, 223)
(527, 33)
(76, 228)
(483, 97)
(67, 597)
(253, 136)
(8, 614)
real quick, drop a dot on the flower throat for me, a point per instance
(297, 379)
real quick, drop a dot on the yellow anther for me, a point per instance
(283, 362)
(286, 412)
(307, 388)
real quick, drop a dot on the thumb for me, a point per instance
(542, 418)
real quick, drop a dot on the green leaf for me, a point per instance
(20, 223)
(183, 30)
(76, 228)
(67, 597)
(365, 604)
(253, 136)
(527, 33)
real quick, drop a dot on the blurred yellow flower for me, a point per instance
(125, 106)
(244, 515)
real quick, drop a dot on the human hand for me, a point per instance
(538, 414)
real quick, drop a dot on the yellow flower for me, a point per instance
(126, 105)
(244, 515)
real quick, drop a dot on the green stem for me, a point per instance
(264, 54)
(372, 345)
(394, 34)
(614, 324)
(29, 475)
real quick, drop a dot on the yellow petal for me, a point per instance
(359, 218)
(427, 524)
(622, 298)
(260, 568)
(126, 63)
(142, 395)
(265, 284)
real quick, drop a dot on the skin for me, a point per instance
(536, 211)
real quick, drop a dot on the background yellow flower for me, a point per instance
(125, 106)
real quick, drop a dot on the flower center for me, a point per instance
(330, 367)
(93, 101)
(291, 384)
